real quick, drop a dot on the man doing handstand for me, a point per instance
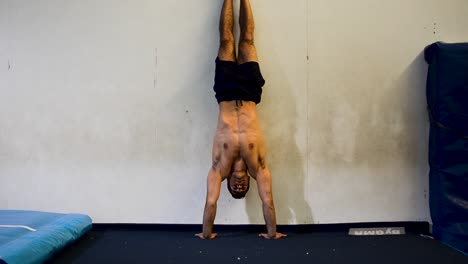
(238, 148)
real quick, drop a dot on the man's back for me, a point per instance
(238, 135)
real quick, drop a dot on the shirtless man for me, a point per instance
(238, 148)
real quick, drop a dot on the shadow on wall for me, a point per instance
(415, 153)
(402, 133)
(278, 120)
(381, 127)
(371, 128)
(415, 111)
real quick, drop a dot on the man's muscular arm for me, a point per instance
(265, 191)
(213, 190)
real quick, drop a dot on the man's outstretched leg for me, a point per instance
(227, 51)
(247, 51)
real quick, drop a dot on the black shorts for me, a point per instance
(238, 82)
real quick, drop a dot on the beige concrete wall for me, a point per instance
(106, 107)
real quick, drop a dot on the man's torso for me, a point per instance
(238, 137)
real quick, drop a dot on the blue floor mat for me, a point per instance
(33, 237)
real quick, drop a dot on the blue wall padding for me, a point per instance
(447, 98)
(54, 231)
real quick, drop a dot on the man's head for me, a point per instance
(238, 184)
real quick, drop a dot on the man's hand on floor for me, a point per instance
(277, 236)
(212, 236)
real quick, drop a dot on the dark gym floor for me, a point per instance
(124, 244)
